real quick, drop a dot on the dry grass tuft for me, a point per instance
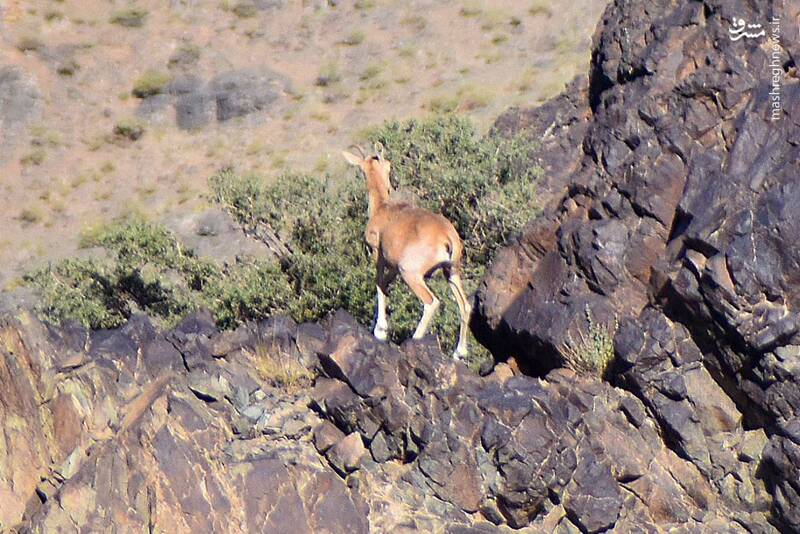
(592, 353)
(281, 369)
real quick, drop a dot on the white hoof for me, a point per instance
(460, 354)
(380, 333)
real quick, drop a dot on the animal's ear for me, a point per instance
(352, 159)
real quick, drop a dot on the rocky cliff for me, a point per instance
(670, 199)
(674, 209)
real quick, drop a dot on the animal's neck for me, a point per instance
(378, 192)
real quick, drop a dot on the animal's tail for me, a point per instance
(455, 249)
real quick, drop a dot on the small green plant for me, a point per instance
(415, 22)
(53, 14)
(443, 104)
(363, 5)
(328, 75)
(29, 43)
(34, 157)
(151, 83)
(245, 10)
(371, 72)
(470, 9)
(129, 18)
(540, 7)
(31, 215)
(592, 353)
(68, 68)
(131, 129)
(355, 38)
(186, 54)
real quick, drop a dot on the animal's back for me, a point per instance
(429, 232)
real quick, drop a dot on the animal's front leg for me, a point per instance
(385, 275)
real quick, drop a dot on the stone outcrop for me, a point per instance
(228, 95)
(173, 432)
(675, 217)
(182, 431)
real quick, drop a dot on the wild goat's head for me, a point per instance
(376, 168)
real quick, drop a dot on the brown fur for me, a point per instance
(413, 242)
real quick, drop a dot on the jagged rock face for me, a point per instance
(678, 216)
(557, 455)
(138, 430)
(134, 430)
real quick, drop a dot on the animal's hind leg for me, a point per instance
(464, 310)
(416, 281)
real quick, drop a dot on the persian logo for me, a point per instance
(741, 29)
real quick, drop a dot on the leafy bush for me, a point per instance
(131, 129)
(150, 83)
(149, 271)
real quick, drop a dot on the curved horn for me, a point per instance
(379, 150)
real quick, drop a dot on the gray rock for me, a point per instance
(239, 93)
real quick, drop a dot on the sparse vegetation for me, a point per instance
(371, 71)
(68, 68)
(245, 10)
(129, 128)
(363, 5)
(130, 18)
(151, 83)
(471, 9)
(355, 38)
(328, 75)
(29, 43)
(186, 54)
(592, 353)
(30, 215)
(443, 104)
(34, 157)
(282, 370)
(540, 7)
(53, 14)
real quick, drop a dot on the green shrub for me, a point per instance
(150, 83)
(81, 291)
(130, 18)
(29, 43)
(131, 129)
(355, 38)
(245, 10)
(148, 271)
(249, 291)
